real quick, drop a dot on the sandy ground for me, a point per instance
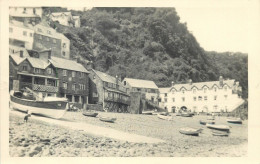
(37, 138)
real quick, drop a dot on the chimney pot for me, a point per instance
(190, 81)
(21, 53)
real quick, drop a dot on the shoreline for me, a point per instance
(40, 139)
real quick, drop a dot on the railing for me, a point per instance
(23, 85)
(44, 88)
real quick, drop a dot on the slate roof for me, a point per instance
(17, 59)
(164, 90)
(38, 63)
(141, 83)
(67, 64)
(105, 77)
(201, 85)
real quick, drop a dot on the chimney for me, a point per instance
(172, 83)
(221, 80)
(89, 65)
(49, 54)
(190, 81)
(21, 53)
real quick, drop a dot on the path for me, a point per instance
(94, 130)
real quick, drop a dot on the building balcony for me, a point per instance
(39, 88)
(70, 91)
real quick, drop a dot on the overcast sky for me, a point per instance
(217, 25)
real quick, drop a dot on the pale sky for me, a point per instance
(217, 26)
(222, 28)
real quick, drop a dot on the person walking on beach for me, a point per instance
(26, 117)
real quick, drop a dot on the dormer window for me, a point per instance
(194, 90)
(183, 91)
(173, 91)
(215, 89)
(225, 88)
(205, 90)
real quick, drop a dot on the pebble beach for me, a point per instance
(42, 139)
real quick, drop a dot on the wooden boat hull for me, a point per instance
(219, 133)
(147, 112)
(53, 109)
(206, 122)
(164, 117)
(190, 131)
(89, 114)
(218, 127)
(186, 115)
(234, 121)
(107, 119)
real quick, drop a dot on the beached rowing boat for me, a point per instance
(190, 131)
(53, 107)
(164, 117)
(218, 127)
(147, 112)
(206, 122)
(234, 120)
(107, 119)
(186, 114)
(219, 133)
(90, 114)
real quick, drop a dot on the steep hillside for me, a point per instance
(145, 43)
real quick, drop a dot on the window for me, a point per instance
(74, 87)
(24, 10)
(65, 85)
(63, 53)
(34, 11)
(73, 73)
(54, 40)
(36, 70)
(200, 98)
(47, 38)
(64, 72)
(195, 98)
(225, 88)
(183, 91)
(194, 90)
(165, 99)
(64, 45)
(39, 30)
(215, 97)
(31, 34)
(24, 68)
(24, 33)
(225, 97)
(49, 71)
(205, 98)
(138, 89)
(183, 99)
(81, 74)
(10, 29)
(81, 86)
(173, 99)
(165, 94)
(124, 82)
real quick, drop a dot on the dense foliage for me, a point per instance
(147, 43)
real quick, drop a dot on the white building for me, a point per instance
(66, 19)
(21, 34)
(32, 14)
(212, 96)
(146, 86)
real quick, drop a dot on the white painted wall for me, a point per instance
(14, 11)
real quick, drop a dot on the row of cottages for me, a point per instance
(213, 96)
(48, 75)
(145, 86)
(108, 91)
(38, 37)
(31, 14)
(65, 18)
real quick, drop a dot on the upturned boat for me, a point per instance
(219, 133)
(164, 117)
(218, 127)
(186, 114)
(234, 120)
(206, 122)
(107, 119)
(53, 107)
(90, 114)
(190, 131)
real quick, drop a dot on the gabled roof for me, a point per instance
(141, 83)
(105, 77)
(200, 85)
(38, 63)
(67, 64)
(164, 90)
(17, 59)
(60, 13)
